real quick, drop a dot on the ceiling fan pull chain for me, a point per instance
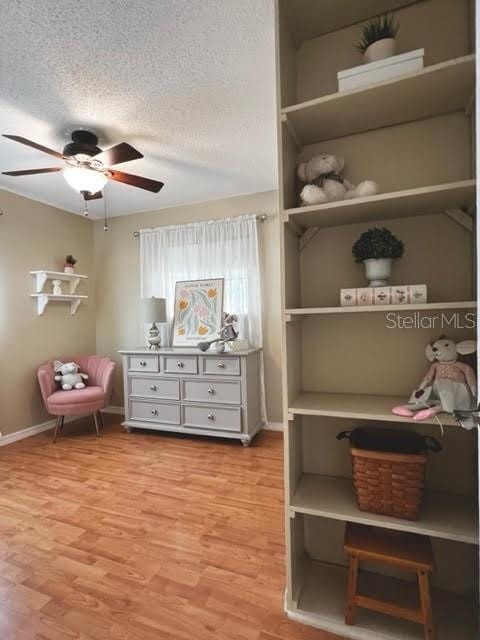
(85, 211)
(105, 216)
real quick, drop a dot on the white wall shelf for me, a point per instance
(386, 206)
(291, 314)
(42, 276)
(413, 97)
(322, 604)
(43, 299)
(444, 515)
(356, 406)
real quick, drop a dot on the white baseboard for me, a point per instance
(28, 432)
(120, 411)
(270, 426)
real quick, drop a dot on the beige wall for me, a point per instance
(37, 236)
(118, 281)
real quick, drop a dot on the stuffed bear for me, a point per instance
(68, 375)
(324, 182)
(448, 386)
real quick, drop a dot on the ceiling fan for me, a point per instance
(87, 168)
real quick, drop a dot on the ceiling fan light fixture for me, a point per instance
(85, 179)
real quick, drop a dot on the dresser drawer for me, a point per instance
(164, 388)
(222, 392)
(143, 363)
(162, 412)
(180, 364)
(214, 418)
(221, 366)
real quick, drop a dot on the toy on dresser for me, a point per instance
(323, 181)
(227, 333)
(448, 386)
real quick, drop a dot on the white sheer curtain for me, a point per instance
(227, 248)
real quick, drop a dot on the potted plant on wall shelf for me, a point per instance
(377, 248)
(378, 38)
(70, 263)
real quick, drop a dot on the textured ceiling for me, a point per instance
(190, 83)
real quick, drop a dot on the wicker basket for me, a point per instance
(388, 482)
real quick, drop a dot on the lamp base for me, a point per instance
(154, 338)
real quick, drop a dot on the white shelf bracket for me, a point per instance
(41, 279)
(74, 306)
(42, 302)
(294, 228)
(461, 218)
(73, 285)
(290, 417)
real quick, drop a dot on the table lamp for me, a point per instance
(154, 310)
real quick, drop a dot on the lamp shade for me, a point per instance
(84, 179)
(154, 310)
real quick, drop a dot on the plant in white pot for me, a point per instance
(378, 38)
(70, 263)
(377, 248)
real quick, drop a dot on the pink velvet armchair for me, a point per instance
(92, 399)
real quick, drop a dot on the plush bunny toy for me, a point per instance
(448, 385)
(68, 375)
(324, 181)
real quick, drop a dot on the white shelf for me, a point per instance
(43, 300)
(356, 406)
(322, 604)
(407, 203)
(41, 277)
(443, 515)
(383, 308)
(438, 89)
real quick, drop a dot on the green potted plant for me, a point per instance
(378, 38)
(377, 248)
(70, 262)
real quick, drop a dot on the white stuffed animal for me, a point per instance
(68, 375)
(324, 182)
(448, 385)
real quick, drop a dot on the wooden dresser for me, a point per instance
(187, 391)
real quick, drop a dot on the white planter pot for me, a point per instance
(378, 271)
(380, 50)
(68, 270)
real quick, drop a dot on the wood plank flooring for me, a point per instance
(142, 536)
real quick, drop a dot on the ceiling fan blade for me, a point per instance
(29, 143)
(92, 196)
(136, 181)
(122, 152)
(31, 172)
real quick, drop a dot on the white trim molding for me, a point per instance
(21, 434)
(270, 426)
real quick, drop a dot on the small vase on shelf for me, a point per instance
(378, 271)
(69, 266)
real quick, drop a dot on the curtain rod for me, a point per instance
(261, 218)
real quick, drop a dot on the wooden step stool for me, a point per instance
(406, 551)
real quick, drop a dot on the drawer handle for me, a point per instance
(221, 365)
(180, 364)
(155, 412)
(211, 417)
(143, 363)
(211, 391)
(153, 387)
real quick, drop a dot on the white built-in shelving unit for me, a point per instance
(43, 298)
(344, 366)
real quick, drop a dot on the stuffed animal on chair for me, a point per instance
(448, 386)
(68, 375)
(324, 181)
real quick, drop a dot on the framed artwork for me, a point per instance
(198, 311)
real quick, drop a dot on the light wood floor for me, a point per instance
(142, 537)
